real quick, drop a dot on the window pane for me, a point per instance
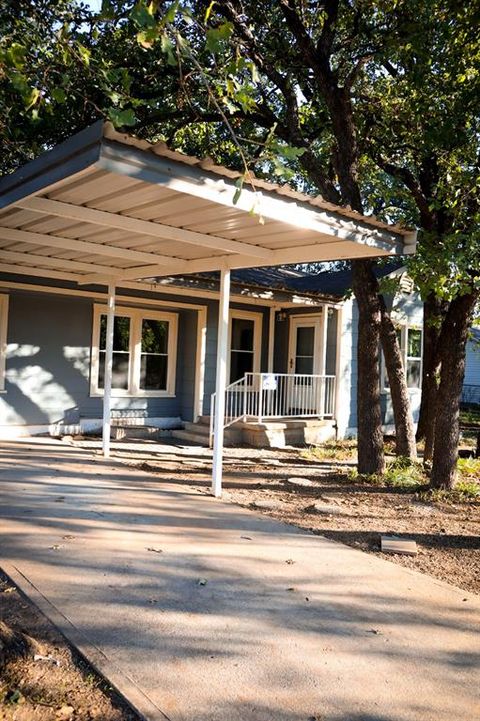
(305, 341)
(120, 364)
(121, 333)
(304, 365)
(241, 362)
(414, 343)
(153, 372)
(242, 334)
(413, 373)
(154, 336)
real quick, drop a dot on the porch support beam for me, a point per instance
(336, 250)
(107, 387)
(221, 382)
(160, 231)
(83, 246)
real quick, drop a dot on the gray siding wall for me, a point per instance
(212, 334)
(405, 309)
(49, 357)
(48, 363)
(472, 365)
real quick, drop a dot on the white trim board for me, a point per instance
(157, 288)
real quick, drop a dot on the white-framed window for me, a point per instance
(245, 344)
(3, 338)
(144, 352)
(411, 344)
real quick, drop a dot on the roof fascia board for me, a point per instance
(191, 180)
(64, 161)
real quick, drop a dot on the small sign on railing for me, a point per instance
(269, 382)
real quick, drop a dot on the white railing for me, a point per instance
(261, 396)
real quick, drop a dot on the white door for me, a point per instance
(305, 360)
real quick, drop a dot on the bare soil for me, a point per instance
(447, 533)
(57, 686)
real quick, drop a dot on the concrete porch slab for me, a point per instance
(188, 603)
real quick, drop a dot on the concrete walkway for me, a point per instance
(194, 608)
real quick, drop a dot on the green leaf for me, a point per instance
(147, 38)
(208, 12)
(122, 117)
(238, 185)
(170, 14)
(16, 55)
(216, 37)
(84, 53)
(58, 94)
(168, 48)
(142, 15)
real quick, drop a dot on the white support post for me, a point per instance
(271, 338)
(221, 382)
(107, 381)
(323, 362)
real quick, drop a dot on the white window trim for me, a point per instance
(3, 339)
(404, 328)
(257, 337)
(136, 315)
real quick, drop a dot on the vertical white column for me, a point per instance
(107, 381)
(221, 382)
(323, 362)
(271, 339)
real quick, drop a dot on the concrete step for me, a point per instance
(196, 435)
(119, 432)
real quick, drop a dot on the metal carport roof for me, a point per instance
(104, 205)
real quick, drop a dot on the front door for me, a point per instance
(305, 353)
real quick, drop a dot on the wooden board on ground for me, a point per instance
(392, 544)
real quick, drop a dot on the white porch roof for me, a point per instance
(107, 207)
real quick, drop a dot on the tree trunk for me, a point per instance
(433, 312)
(371, 459)
(404, 428)
(432, 399)
(453, 341)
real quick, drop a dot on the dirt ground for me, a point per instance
(447, 532)
(56, 686)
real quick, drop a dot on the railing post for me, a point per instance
(245, 386)
(260, 399)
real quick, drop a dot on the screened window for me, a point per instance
(144, 352)
(154, 354)
(242, 348)
(245, 341)
(410, 340)
(121, 352)
(414, 357)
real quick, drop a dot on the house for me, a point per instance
(471, 384)
(93, 330)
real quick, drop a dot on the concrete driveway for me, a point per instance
(199, 610)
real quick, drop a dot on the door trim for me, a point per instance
(296, 321)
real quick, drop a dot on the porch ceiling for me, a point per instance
(104, 206)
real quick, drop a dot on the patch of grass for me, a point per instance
(470, 415)
(345, 450)
(401, 473)
(462, 492)
(469, 470)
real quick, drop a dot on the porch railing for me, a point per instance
(263, 396)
